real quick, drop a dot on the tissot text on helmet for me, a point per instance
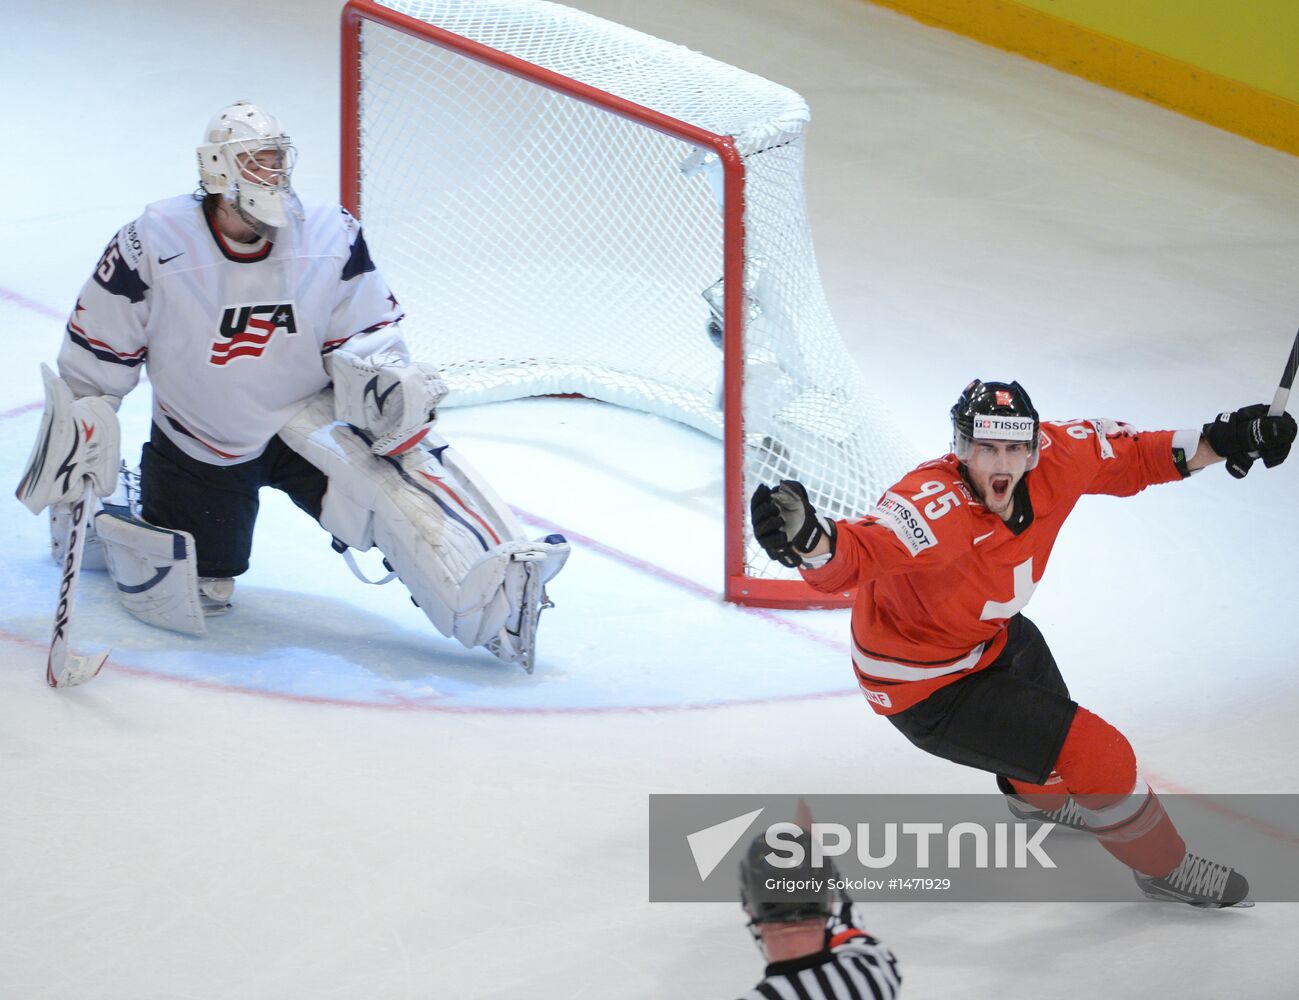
(994, 427)
(968, 844)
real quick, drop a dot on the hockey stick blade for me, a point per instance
(65, 668)
(1287, 380)
(76, 669)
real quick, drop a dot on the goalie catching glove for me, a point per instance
(78, 439)
(392, 400)
(788, 527)
(1243, 435)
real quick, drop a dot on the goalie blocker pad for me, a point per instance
(458, 549)
(154, 570)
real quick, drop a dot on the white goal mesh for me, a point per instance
(541, 243)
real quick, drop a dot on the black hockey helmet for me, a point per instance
(994, 411)
(780, 905)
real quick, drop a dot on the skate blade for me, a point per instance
(1162, 897)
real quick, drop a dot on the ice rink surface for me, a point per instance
(323, 798)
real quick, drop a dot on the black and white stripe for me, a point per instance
(860, 969)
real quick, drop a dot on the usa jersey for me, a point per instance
(233, 335)
(938, 575)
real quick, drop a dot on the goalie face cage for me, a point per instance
(584, 209)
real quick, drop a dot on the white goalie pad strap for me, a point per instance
(154, 571)
(79, 438)
(391, 399)
(451, 548)
(345, 513)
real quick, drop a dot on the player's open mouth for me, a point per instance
(1000, 486)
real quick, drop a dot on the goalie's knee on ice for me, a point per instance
(154, 571)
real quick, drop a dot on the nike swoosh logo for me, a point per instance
(982, 537)
(165, 260)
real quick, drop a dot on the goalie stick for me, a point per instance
(64, 667)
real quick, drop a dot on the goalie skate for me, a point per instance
(526, 591)
(1197, 882)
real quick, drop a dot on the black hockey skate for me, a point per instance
(1197, 882)
(1068, 815)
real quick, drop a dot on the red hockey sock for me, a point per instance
(1099, 769)
(1048, 797)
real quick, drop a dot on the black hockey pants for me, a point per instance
(218, 504)
(1010, 718)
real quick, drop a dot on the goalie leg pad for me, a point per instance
(462, 560)
(503, 594)
(402, 504)
(154, 570)
(347, 518)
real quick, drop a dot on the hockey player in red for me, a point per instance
(943, 567)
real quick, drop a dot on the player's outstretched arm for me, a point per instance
(1241, 436)
(788, 527)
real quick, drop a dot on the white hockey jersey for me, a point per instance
(233, 335)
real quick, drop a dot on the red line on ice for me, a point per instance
(12, 297)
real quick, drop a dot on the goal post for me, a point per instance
(568, 206)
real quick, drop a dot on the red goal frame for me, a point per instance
(739, 588)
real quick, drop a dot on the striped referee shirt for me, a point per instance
(857, 967)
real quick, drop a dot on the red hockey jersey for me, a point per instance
(938, 576)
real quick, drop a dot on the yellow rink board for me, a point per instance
(1229, 64)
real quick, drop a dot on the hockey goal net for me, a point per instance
(566, 205)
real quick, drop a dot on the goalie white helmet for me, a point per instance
(247, 157)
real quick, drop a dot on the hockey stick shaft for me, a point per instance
(1287, 380)
(65, 668)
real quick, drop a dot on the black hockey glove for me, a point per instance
(1249, 433)
(786, 524)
